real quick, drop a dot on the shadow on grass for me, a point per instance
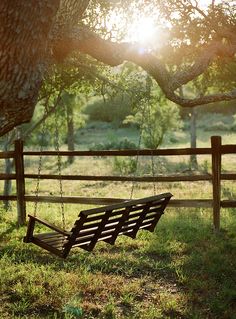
(204, 263)
(12, 227)
(183, 253)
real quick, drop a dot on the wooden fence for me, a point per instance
(216, 151)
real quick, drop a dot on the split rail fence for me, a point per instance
(215, 151)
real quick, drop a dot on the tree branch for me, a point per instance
(114, 54)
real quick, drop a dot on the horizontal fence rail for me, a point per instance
(215, 151)
(10, 154)
(157, 178)
(143, 152)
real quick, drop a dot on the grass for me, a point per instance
(183, 270)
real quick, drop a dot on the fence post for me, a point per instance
(216, 182)
(20, 182)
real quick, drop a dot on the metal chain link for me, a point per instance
(39, 165)
(139, 145)
(152, 157)
(137, 156)
(136, 164)
(57, 148)
(153, 175)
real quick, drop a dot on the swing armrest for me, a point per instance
(49, 225)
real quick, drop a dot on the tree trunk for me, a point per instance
(193, 137)
(24, 52)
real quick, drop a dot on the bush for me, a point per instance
(111, 110)
(124, 144)
(125, 166)
(219, 122)
(218, 126)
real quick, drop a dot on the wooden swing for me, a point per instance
(97, 224)
(100, 224)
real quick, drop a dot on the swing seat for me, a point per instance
(100, 224)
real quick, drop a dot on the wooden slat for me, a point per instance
(90, 226)
(75, 231)
(56, 243)
(146, 226)
(49, 225)
(133, 202)
(134, 152)
(47, 247)
(113, 215)
(119, 225)
(99, 230)
(85, 244)
(150, 179)
(157, 216)
(73, 200)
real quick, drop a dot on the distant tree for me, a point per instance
(155, 116)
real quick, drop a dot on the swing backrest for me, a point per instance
(108, 222)
(104, 223)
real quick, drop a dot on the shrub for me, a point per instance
(219, 122)
(111, 110)
(125, 166)
(124, 144)
(218, 126)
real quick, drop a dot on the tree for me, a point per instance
(35, 35)
(154, 115)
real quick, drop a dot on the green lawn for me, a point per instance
(183, 270)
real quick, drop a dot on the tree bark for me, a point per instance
(24, 53)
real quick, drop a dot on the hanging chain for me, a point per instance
(152, 156)
(138, 151)
(136, 163)
(40, 164)
(56, 141)
(139, 143)
(153, 175)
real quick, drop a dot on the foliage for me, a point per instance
(218, 122)
(123, 144)
(124, 166)
(155, 116)
(46, 133)
(109, 109)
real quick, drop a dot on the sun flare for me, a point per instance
(147, 30)
(143, 31)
